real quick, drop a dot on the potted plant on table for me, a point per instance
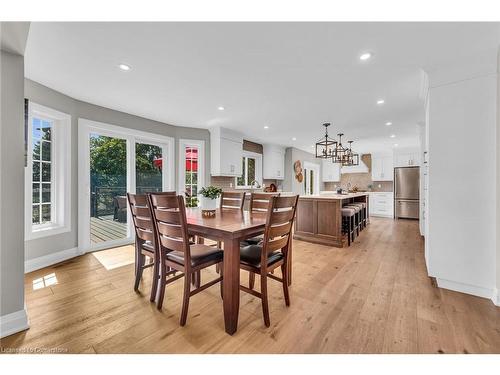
(208, 199)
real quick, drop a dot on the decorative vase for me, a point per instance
(208, 206)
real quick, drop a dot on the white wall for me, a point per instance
(12, 313)
(497, 296)
(461, 236)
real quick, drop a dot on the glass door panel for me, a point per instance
(149, 168)
(108, 189)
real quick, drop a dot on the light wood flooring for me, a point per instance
(373, 297)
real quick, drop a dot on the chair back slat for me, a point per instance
(139, 211)
(281, 217)
(169, 229)
(145, 235)
(169, 218)
(259, 202)
(277, 243)
(171, 244)
(280, 230)
(232, 200)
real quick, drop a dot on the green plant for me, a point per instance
(191, 202)
(212, 192)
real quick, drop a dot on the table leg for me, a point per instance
(231, 283)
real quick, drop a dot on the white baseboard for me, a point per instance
(13, 323)
(470, 289)
(50, 259)
(496, 297)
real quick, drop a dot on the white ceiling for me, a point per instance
(291, 77)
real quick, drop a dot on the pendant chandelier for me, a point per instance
(325, 147)
(351, 158)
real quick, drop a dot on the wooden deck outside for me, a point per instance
(105, 228)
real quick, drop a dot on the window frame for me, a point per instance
(60, 173)
(200, 144)
(258, 170)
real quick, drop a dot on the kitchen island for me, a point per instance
(319, 218)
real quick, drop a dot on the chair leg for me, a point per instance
(139, 264)
(349, 232)
(161, 286)
(218, 266)
(265, 304)
(185, 300)
(284, 275)
(154, 282)
(251, 280)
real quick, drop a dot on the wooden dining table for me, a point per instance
(230, 227)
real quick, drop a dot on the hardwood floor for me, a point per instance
(373, 297)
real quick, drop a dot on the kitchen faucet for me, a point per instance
(255, 185)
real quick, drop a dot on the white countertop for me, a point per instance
(334, 195)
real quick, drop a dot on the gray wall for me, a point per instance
(11, 183)
(45, 96)
(293, 154)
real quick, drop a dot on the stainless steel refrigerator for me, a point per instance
(406, 194)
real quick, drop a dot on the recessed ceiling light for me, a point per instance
(380, 101)
(395, 145)
(221, 108)
(266, 127)
(294, 139)
(388, 123)
(393, 136)
(124, 67)
(365, 56)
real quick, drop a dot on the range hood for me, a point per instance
(361, 168)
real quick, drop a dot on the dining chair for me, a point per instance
(145, 241)
(259, 202)
(272, 252)
(230, 200)
(176, 253)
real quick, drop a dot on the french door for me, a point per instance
(113, 161)
(311, 178)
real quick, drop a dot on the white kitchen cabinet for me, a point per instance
(406, 159)
(331, 171)
(381, 204)
(274, 162)
(382, 168)
(226, 150)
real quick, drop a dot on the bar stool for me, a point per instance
(357, 216)
(363, 213)
(348, 225)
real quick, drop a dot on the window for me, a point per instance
(191, 170)
(42, 196)
(252, 170)
(47, 173)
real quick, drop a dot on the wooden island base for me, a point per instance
(319, 219)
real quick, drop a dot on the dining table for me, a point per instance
(230, 226)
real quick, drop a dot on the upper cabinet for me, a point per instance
(382, 168)
(407, 159)
(226, 150)
(274, 162)
(331, 171)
